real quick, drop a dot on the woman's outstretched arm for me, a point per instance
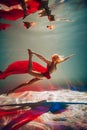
(66, 58)
(42, 58)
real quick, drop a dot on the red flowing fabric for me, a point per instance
(12, 14)
(9, 112)
(21, 67)
(32, 7)
(26, 117)
(4, 26)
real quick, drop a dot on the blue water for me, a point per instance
(65, 39)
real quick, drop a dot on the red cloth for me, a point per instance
(12, 14)
(26, 117)
(4, 26)
(10, 112)
(21, 67)
(47, 74)
(32, 7)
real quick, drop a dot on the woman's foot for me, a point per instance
(29, 51)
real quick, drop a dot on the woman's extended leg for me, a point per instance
(32, 81)
(23, 4)
(36, 74)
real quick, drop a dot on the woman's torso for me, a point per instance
(51, 67)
